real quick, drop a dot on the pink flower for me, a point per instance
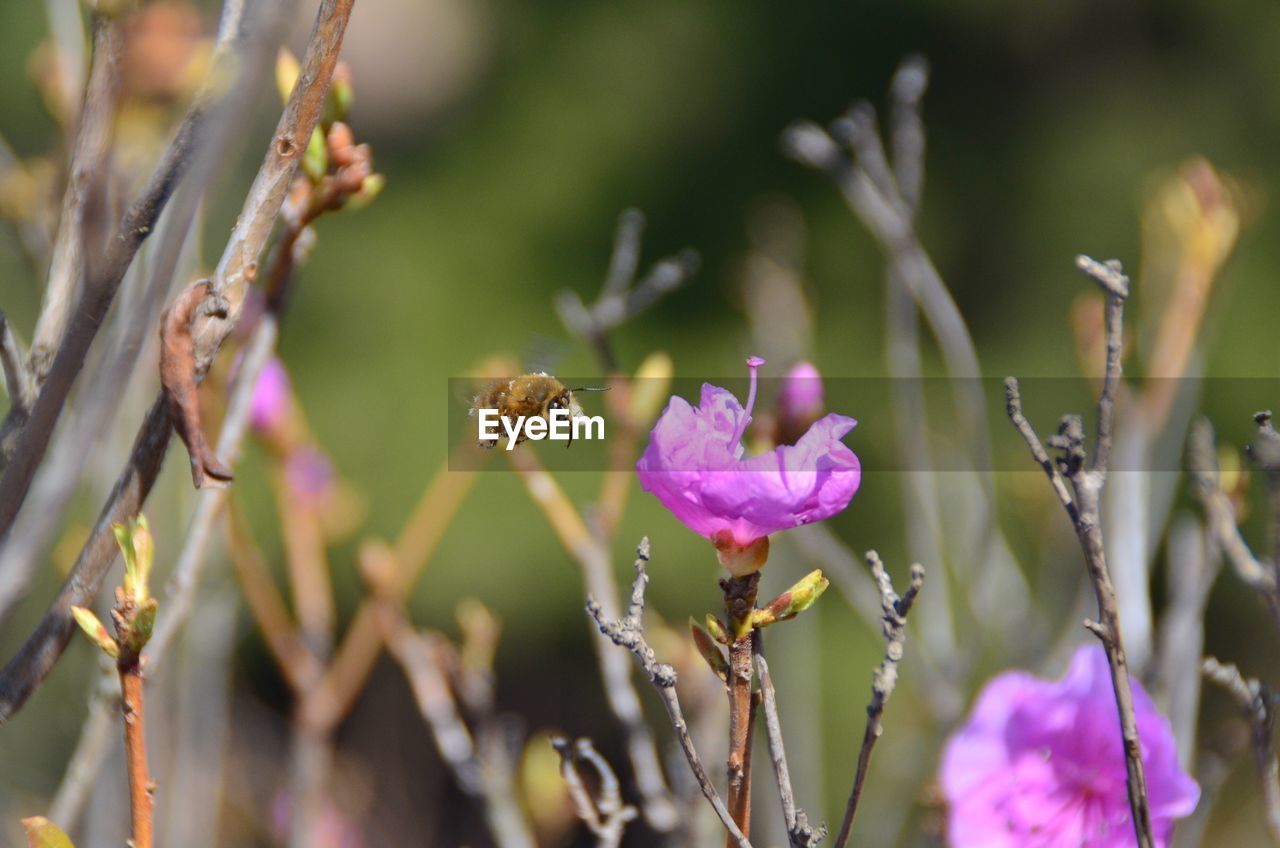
(1040, 764)
(694, 464)
(802, 393)
(271, 394)
(800, 403)
(309, 473)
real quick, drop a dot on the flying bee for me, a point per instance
(527, 396)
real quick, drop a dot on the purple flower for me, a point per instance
(1040, 764)
(694, 465)
(802, 394)
(271, 394)
(800, 403)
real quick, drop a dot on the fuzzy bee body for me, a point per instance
(527, 396)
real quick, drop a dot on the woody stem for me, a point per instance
(740, 601)
(141, 802)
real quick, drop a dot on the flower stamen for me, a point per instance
(754, 363)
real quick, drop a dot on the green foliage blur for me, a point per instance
(513, 133)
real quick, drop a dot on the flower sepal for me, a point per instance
(740, 560)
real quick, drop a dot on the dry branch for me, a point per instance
(1259, 706)
(604, 814)
(894, 610)
(1082, 504)
(628, 632)
(45, 645)
(1220, 517)
(800, 834)
(597, 574)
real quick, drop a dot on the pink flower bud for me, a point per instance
(271, 398)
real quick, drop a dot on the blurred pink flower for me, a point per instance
(800, 403)
(694, 465)
(270, 402)
(309, 473)
(1040, 764)
(802, 394)
(332, 829)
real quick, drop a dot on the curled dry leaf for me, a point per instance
(178, 380)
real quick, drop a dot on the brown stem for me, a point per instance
(739, 601)
(141, 802)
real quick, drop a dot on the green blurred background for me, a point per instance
(512, 134)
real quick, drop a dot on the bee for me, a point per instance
(527, 396)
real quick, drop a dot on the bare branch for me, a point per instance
(1193, 566)
(102, 280)
(906, 132)
(45, 645)
(1111, 277)
(894, 610)
(1013, 406)
(604, 815)
(104, 384)
(597, 574)
(92, 747)
(628, 633)
(1220, 517)
(85, 181)
(800, 833)
(1082, 505)
(1259, 706)
(622, 297)
(488, 782)
(17, 380)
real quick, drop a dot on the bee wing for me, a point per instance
(544, 353)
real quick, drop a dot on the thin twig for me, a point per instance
(597, 574)
(85, 181)
(628, 632)
(91, 750)
(419, 654)
(1259, 706)
(622, 297)
(1082, 505)
(604, 815)
(1013, 406)
(894, 624)
(105, 382)
(17, 380)
(887, 208)
(362, 642)
(800, 833)
(1220, 518)
(1193, 565)
(45, 645)
(102, 280)
(181, 591)
(270, 614)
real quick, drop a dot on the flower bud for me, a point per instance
(800, 403)
(792, 602)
